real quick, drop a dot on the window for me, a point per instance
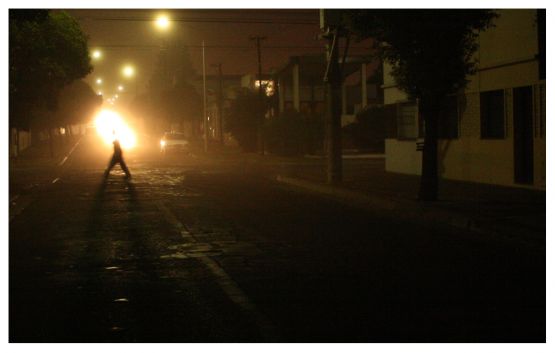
(541, 43)
(407, 127)
(492, 114)
(448, 125)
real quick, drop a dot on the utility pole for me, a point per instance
(332, 78)
(220, 104)
(205, 117)
(260, 90)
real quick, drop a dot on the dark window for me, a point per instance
(449, 119)
(492, 114)
(541, 42)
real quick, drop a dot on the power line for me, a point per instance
(152, 46)
(205, 20)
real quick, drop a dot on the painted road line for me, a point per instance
(170, 218)
(234, 292)
(70, 152)
(226, 283)
(55, 180)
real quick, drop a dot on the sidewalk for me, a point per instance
(513, 213)
(35, 166)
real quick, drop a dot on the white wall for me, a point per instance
(401, 156)
(506, 61)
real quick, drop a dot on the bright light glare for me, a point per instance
(96, 54)
(162, 22)
(128, 71)
(107, 122)
(120, 88)
(99, 81)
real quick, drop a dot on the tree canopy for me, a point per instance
(48, 51)
(432, 53)
(181, 103)
(77, 103)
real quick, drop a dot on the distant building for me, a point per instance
(495, 130)
(300, 85)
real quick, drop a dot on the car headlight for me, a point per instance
(162, 143)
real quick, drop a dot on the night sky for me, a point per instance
(129, 36)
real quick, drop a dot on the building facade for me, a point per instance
(301, 87)
(494, 131)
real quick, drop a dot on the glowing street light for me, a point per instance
(98, 81)
(99, 93)
(97, 54)
(162, 22)
(120, 88)
(128, 71)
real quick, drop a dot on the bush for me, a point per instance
(243, 118)
(368, 132)
(293, 133)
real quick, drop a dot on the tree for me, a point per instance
(48, 51)
(173, 97)
(180, 104)
(243, 117)
(370, 128)
(431, 53)
(76, 104)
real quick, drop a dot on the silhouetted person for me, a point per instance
(117, 158)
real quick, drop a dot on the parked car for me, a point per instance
(174, 141)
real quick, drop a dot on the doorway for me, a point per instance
(523, 135)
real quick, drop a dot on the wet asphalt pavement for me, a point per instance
(203, 250)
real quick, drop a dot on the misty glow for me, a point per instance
(108, 122)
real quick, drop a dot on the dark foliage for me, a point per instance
(244, 117)
(77, 103)
(293, 133)
(48, 51)
(180, 104)
(368, 132)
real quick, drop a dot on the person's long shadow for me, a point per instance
(110, 239)
(95, 215)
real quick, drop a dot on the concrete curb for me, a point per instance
(408, 210)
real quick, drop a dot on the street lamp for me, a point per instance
(97, 54)
(162, 22)
(98, 81)
(128, 71)
(120, 88)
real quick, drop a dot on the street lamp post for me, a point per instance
(205, 118)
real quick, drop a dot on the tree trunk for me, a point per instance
(51, 143)
(17, 147)
(429, 179)
(333, 111)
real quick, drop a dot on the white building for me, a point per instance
(495, 131)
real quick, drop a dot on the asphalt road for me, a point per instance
(194, 249)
